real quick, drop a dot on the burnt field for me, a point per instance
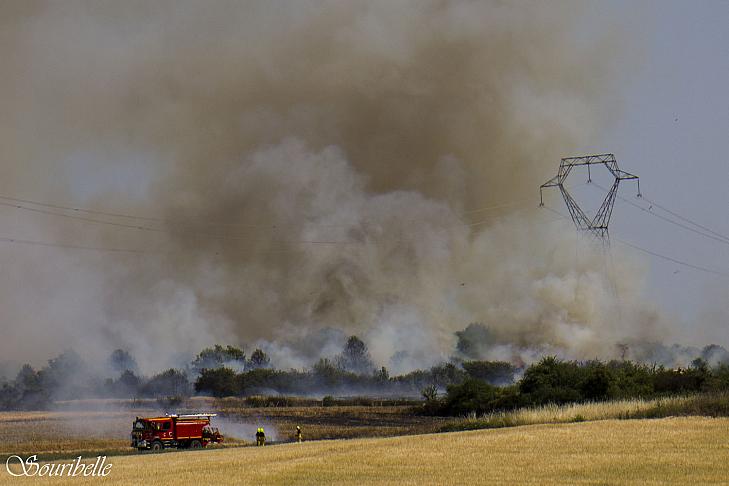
(102, 427)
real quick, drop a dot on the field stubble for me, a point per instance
(62, 434)
(666, 451)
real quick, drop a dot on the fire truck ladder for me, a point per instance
(191, 415)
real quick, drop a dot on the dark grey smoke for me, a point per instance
(310, 163)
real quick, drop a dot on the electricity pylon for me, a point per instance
(597, 226)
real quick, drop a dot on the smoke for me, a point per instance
(245, 430)
(311, 165)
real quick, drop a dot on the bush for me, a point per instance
(171, 382)
(492, 372)
(259, 359)
(632, 380)
(219, 356)
(219, 382)
(551, 381)
(598, 383)
(170, 402)
(472, 396)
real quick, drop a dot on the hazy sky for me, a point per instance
(673, 131)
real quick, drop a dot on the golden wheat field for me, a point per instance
(660, 451)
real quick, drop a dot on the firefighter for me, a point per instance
(299, 437)
(260, 437)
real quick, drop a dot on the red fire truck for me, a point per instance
(172, 430)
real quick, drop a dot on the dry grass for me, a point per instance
(697, 405)
(62, 434)
(665, 451)
(337, 422)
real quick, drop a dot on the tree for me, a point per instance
(552, 381)
(326, 374)
(429, 393)
(259, 359)
(446, 374)
(220, 382)
(382, 376)
(170, 382)
(714, 355)
(355, 357)
(492, 372)
(120, 360)
(128, 383)
(472, 396)
(599, 382)
(66, 376)
(29, 392)
(218, 356)
(474, 340)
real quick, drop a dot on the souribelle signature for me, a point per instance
(16, 466)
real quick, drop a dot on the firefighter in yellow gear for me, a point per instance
(260, 437)
(299, 437)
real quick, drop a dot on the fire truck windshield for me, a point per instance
(140, 425)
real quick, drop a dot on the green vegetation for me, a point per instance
(472, 386)
(552, 381)
(700, 405)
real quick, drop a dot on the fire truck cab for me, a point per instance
(180, 431)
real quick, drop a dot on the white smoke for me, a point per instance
(311, 163)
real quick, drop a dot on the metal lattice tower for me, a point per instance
(597, 226)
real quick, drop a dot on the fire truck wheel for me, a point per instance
(157, 446)
(195, 444)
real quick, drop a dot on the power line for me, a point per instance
(20, 203)
(653, 203)
(163, 230)
(60, 210)
(721, 239)
(656, 254)
(77, 209)
(518, 202)
(19, 241)
(23, 205)
(670, 259)
(68, 246)
(79, 218)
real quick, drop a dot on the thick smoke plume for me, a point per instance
(307, 165)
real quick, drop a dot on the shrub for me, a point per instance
(551, 381)
(219, 382)
(492, 372)
(259, 359)
(218, 356)
(598, 382)
(170, 382)
(472, 396)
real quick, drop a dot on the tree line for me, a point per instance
(554, 381)
(459, 386)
